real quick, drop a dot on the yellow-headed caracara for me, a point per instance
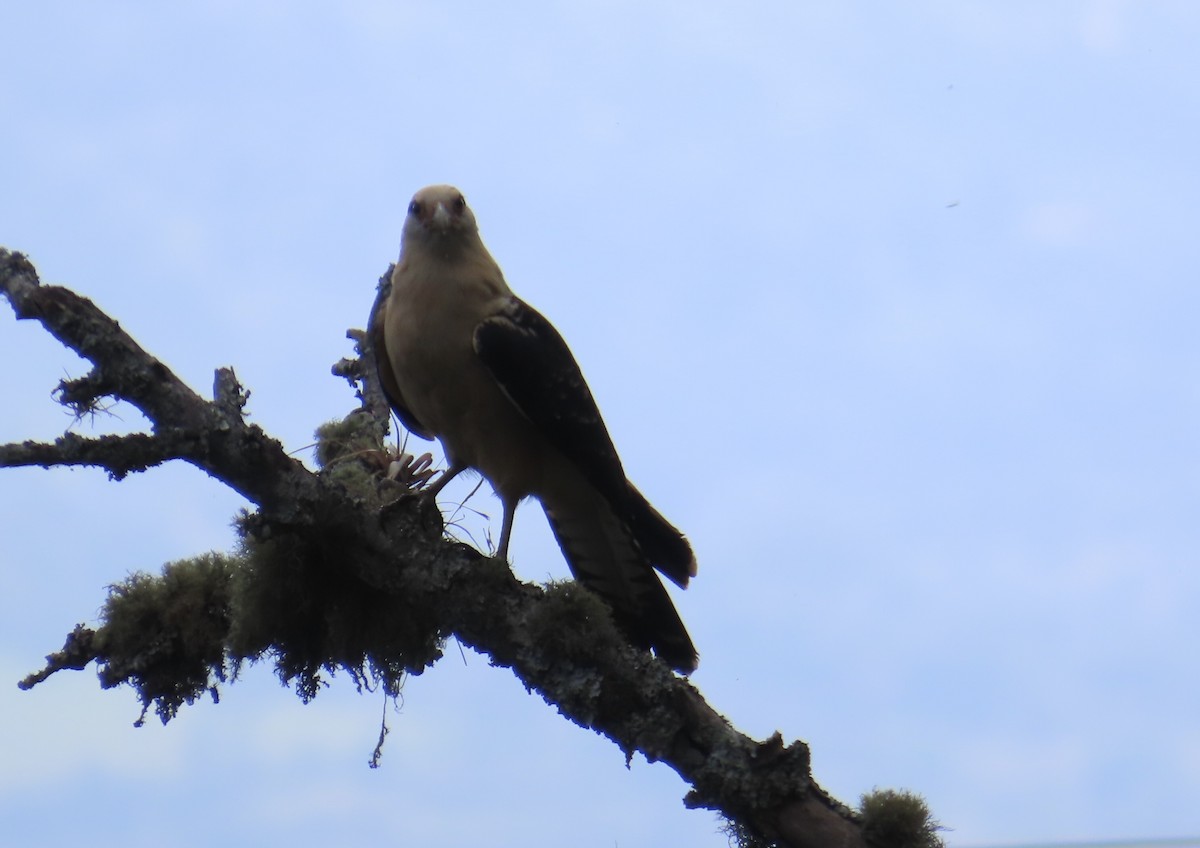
(462, 359)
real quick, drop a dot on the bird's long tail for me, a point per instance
(603, 555)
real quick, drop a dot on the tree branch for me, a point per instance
(118, 454)
(350, 550)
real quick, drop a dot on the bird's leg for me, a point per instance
(449, 474)
(506, 524)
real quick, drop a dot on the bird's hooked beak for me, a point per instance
(441, 217)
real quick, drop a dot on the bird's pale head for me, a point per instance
(438, 216)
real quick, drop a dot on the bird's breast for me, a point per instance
(430, 339)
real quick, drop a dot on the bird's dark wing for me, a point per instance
(383, 364)
(665, 546)
(536, 370)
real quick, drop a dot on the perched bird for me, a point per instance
(463, 360)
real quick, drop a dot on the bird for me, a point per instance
(463, 360)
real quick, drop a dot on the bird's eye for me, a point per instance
(460, 204)
(414, 208)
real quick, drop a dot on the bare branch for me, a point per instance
(119, 455)
(217, 438)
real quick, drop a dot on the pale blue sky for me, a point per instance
(892, 309)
